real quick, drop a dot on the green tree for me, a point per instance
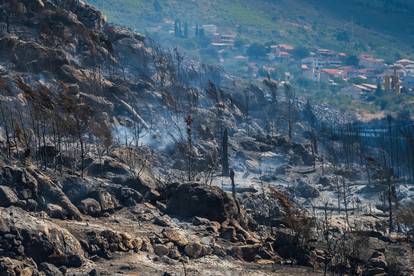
(257, 51)
(343, 36)
(352, 60)
(239, 42)
(379, 92)
(186, 30)
(157, 6)
(300, 52)
(176, 28)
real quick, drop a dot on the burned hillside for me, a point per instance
(118, 156)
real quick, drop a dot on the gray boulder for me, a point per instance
(161, 250)
(194, 250)
(107, 201)
(90, 207)
(305, 190)
(55, 211)
(7, 196)
(194, 200)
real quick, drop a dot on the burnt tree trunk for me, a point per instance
(233, 190)
(225, 153)
(390, 195)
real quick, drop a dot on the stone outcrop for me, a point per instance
(191, 200)
(24, 235)
(104, 243)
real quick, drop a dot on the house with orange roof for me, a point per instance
(281, 50)
(285, 47)
(330, 74)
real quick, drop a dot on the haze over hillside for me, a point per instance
(383, 27)
(326, 49)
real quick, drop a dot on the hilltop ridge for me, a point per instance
(370, 26)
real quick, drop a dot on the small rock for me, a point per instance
(161, 250)
(106, 200)
(214, 227)
(197, 221)
(164, 221)
(229, 233)
(31, 205)
(175, 236)
(90, 206)
(146, 246)
(375, 271)
(247, 253)
(193, 250)
(378, 262)
(20, 249)
(174, 253)
(218, 250)
(131, 197)
(50, 270)
(161, 206)
(324, 181)
(55, 211)
(306, 190)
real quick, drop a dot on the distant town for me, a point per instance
(357, 76)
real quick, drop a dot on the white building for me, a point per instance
(322, 62)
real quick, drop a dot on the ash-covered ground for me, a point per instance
(116, 157)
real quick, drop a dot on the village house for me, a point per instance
(285, 48)
(311, 62)
(325, 52)
(409, 69)
(223, 41)
(405, 67)
(404, 62)
(241, 58)
(328, 75)
(221, 46)
(281, 52)
(210, 29)
(356, 91)
(363, 89)
(371, 62)
(368, 74)
(325, 61)
(225, 38)
(283, 57)
(311, 73)
(349, 72)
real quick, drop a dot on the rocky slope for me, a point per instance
(96, 161)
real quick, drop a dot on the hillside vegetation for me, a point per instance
(370, 26)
